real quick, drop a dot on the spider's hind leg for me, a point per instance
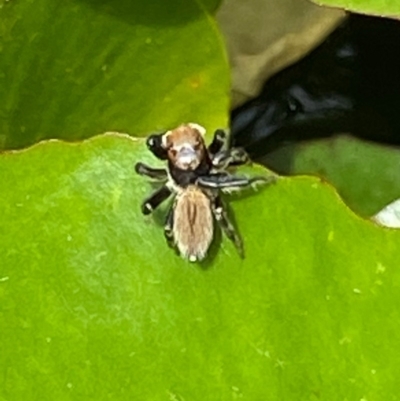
(221, 215)
(168, 227)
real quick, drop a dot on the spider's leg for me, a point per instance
(168, 227)
(230, 157)
(155, 199)
(156, 173)
(219, 141)
(154, 144)
(221, 215)
(227, 183)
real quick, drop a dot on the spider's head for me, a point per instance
(185, 146)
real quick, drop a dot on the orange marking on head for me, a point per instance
(185, 146)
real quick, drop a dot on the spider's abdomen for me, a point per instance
(193, 226)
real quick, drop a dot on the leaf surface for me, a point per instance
(94, 305)
(364, 173)
(74, 68)
(375, 7)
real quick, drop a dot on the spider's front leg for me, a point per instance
(227, 182)
(220, 141)
(230, 157)
(159, 174)
(221, 155)
(154, 144)
(154, 200)
(222, 217)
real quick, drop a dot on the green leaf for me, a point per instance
(94, 305)
(210, 5)
(364, 173)
(386, 8)
(70, 69)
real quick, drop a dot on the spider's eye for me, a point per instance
(173, 152)
(197, 146)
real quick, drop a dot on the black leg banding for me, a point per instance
(147, 208)
(226, 181)
(154, 200)
(154, 144)
(221, 215)
(156, 173)
(168, 228)
(230, 157)
(219, 141)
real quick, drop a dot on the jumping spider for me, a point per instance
(196, 175)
